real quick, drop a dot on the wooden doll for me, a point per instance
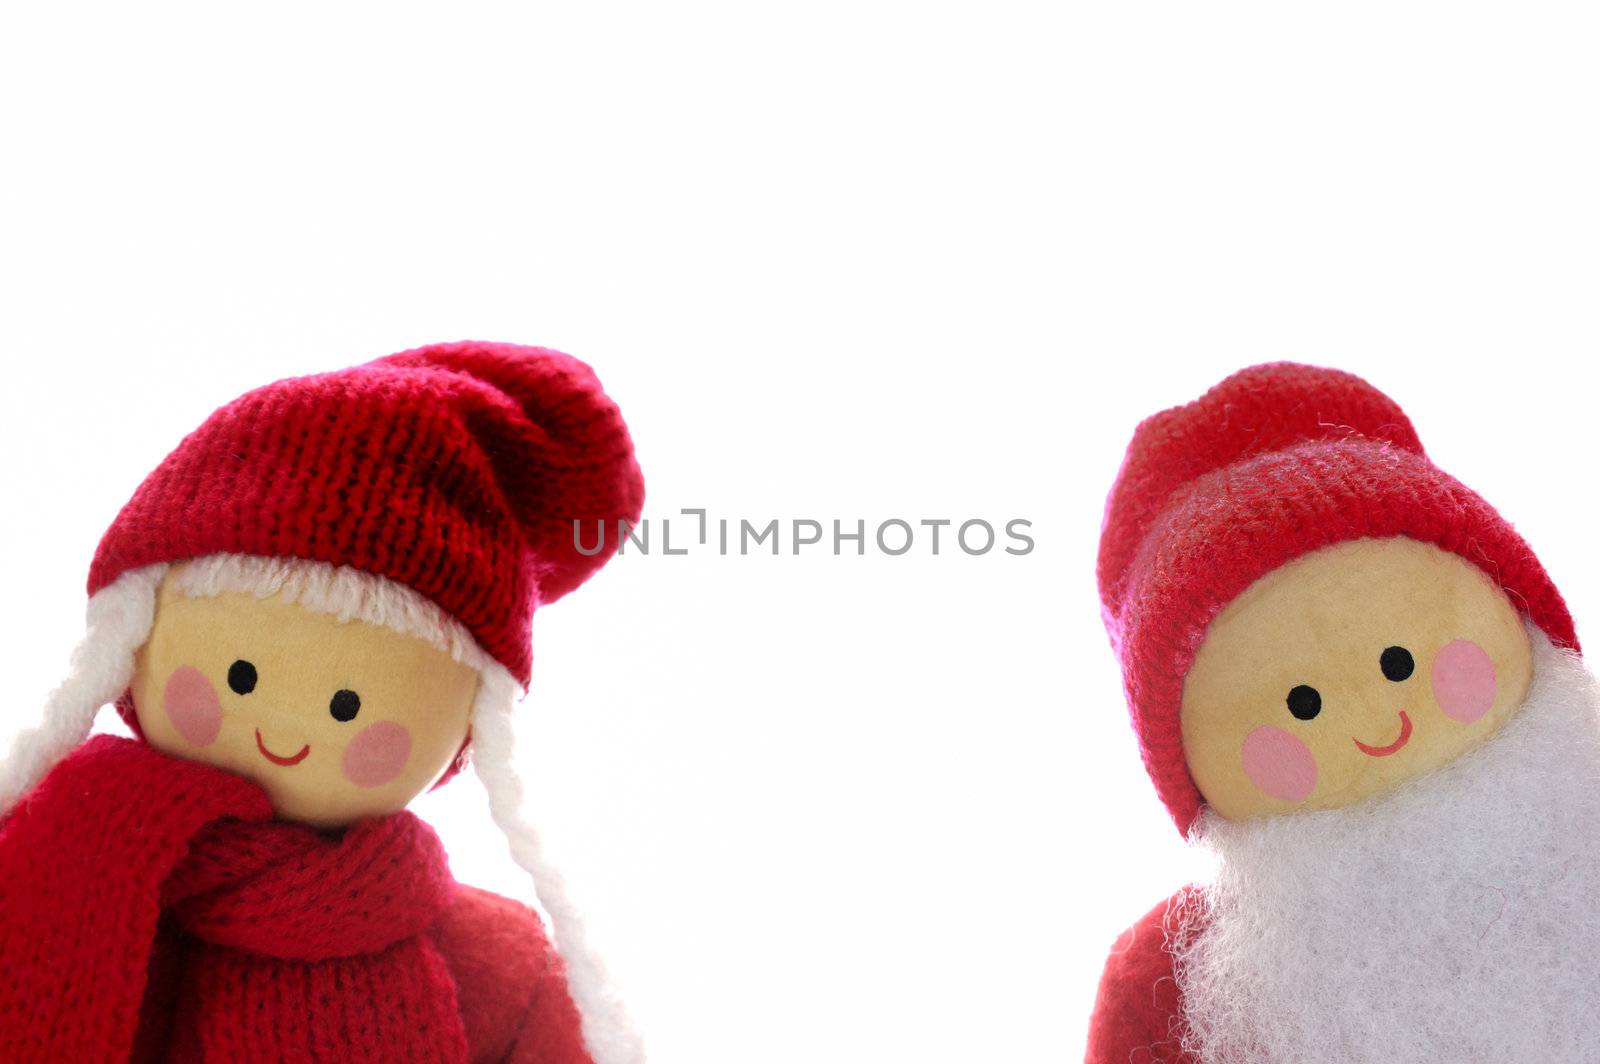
(315, 609)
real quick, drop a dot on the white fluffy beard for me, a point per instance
(1453, 919)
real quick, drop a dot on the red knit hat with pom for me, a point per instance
(455, 469)
(1275, 462)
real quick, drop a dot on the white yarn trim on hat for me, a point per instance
(346, 593)
(120, 617)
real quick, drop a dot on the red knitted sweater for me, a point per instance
(152, 910)
(1138, 1013)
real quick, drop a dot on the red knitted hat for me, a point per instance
(1275, 462)
(455, 469)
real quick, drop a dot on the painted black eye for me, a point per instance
(345, 705)
(1397, 663)
(242, 677)
(1304, 702)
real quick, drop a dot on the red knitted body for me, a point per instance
(1138, 1012)
(221, 935)
(1273, 463)
(456, 470)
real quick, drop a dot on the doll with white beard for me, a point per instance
(1354, 685)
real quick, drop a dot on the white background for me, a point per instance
(835, 260)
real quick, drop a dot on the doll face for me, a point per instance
(1347, 672)
(336, 720)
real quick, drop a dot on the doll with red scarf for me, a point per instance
(316, 608)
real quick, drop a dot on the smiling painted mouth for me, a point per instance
(1385, 751)
(304, 750)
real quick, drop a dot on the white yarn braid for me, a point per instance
(118, 621)
(607, 1032)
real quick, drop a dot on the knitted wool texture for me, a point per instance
(1276, 461)
(1138, 1012)
(335, 925)
(455, 469)
(305, 948)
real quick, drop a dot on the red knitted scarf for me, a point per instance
(295, 946)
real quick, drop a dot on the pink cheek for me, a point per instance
(1280, 765)
(377, 755)
(1463, 680)
(192, 706)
